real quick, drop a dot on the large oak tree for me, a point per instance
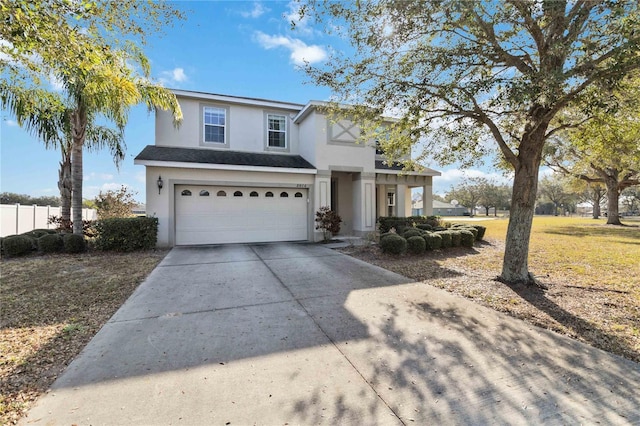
(460, 73)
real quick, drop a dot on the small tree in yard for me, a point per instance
(115, 203)
(328, 221)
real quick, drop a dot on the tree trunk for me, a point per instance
(486, 209)
(613, 195)
(515, 266)
(65, 187)
(78, 128)
(596, 210)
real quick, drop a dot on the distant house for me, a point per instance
(439, 209)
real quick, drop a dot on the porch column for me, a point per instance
(401, 200)
(382, 200)
(364, 203)
(321, 198)
(427, 198)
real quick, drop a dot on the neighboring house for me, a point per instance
(439, 209)
(253, 170)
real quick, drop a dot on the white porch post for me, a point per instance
(401, 200)
(322, 197)
(364, 203)
(427, 198)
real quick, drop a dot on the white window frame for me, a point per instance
(223, 126)
(268, 117)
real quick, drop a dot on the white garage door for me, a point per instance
(224, 214)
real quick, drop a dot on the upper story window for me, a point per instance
(277, 131)
(215, 123)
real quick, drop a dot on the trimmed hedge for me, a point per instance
(481, 230)
(416, 245)
(467, 238)
(446, 238)
(74, 243)
(424, 226)
(401, 223)
(471, 229)
(433, 241)
(37, 233)
(50, 243)
(412, 233)
(456, 238)
(393, 244)
(127, 234)
(17, 245)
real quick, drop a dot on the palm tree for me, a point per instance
(108, 90)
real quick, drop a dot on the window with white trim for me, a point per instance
(215, 121)
(277, 131)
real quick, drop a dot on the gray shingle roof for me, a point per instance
(211, 156)
(381, 166)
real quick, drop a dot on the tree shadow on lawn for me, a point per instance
(579, 328)
(624, 231)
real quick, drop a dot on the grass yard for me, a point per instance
(592, 271)
(51, 306)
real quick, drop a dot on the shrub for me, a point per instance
(456, 238)
(50, 243)
(446, 238)
(471, 229)
(467, 238)
(416, 245)
(328, 221)
(424, 227)
(433, 241)
(127, 234)
(393, 244)
(74, 243)
(37, 233)
(17, 245)
(67, 226)
(387, 234)
(481, 230)
(400, 223)
(413, 232)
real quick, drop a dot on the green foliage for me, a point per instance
(51, 243)
(17, 245)
(393, 244)
(412, 232)
(446, 238)
(37, 233)
(126, 234)
(433, 241)
(481, 230)
(12, 198)
(456, 237)
(385, 223)
(416, 245)
(74, 243)
(424, 226)
(328, 221)
(466, 238)
(115, 203)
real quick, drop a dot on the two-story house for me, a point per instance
(251, 170)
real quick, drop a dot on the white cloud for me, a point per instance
(258, 10)
(176, 75)
(98, 176)
(301, 23)
(11, 123)
(300, 51)
(56, 83)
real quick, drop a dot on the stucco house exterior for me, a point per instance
(243, 170)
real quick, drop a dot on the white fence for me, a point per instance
(16, 219)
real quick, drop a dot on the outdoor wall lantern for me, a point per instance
(160, 184)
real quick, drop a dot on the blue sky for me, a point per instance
(240, 48)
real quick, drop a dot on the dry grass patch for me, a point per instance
(51, 307)
(591, 269)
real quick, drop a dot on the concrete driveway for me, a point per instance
(279, 334)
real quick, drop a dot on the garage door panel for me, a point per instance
(217, 219)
